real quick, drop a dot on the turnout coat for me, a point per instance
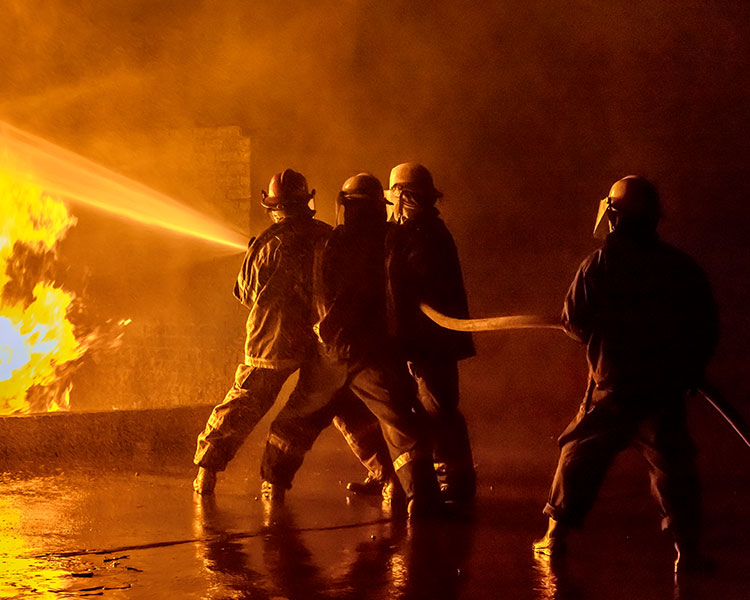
(275, 284)
(423, 266)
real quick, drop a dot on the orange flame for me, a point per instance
(37, 338)
(37, 341)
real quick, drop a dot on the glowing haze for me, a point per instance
(38, 342)
(68, 175)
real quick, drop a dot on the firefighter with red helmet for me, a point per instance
(646, 314)
(274, 284)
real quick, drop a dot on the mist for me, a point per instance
(525, 112)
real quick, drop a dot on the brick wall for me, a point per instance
(187, 332)
(160, 365)
(221, 169)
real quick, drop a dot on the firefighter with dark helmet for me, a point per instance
(646, 314)
(274, 284)
(423, 267)
(633, 202)
(355, 353)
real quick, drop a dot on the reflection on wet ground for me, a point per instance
(139, 532)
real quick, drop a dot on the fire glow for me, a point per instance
(37, 340)
(68, 175)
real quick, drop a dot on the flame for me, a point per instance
(36, 337)
(13, 353)
(38, 342)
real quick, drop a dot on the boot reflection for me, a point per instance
(434, 559)
(407, 560)
(552, 579)
(379, 567)
(223, 556)
(288, 561)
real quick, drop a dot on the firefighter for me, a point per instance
(646, 314)
(423, 267)
(355, 355)
(274, 284)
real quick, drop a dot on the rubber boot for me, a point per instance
(272, 499)
(272, 494)
(371, 486)
(690, 560)
(393, 502)
(204, 482)
(554, 542)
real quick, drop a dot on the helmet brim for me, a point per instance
(356, 196)
(278, 202)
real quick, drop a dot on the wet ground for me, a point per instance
(136, 531)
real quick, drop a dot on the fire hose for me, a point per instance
(709, 394)
(491, 323)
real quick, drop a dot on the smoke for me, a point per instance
(526, 112)
(502, 100)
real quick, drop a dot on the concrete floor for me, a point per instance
(137, 531)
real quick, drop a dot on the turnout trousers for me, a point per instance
(384, 386)
(363, 434)
(607, 423)
(438, 393)
(245, 404)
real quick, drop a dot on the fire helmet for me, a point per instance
(415, 178)
(632, 200)
(286, 189)
(361, 201)
(363, 186)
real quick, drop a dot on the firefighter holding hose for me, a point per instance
(274, 283)
(647, 316)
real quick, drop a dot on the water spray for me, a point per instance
(77, 179)
(38, 181)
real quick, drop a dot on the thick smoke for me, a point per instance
(526, 111)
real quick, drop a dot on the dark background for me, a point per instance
(526, 111)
